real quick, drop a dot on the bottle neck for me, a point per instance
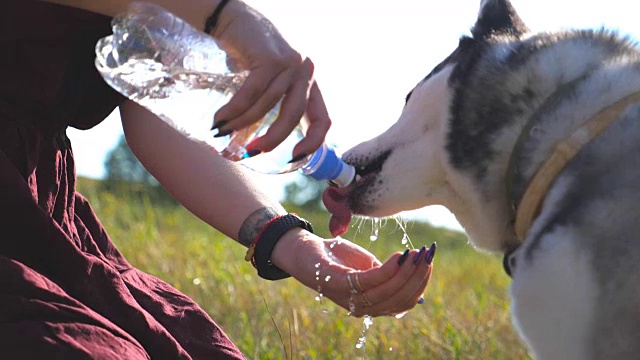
(326, 165)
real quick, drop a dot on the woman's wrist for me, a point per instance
(232, 10)
(213, 19)
(260, 251)
(290, 247)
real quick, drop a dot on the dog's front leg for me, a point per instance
(554, 296)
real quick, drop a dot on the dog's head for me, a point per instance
(424, 158)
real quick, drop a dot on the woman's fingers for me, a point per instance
(299, 93)
(398, 298)
(400, 292)
(253, 43)
(276, 72)
(357, 281)
(393, 267)
(319, 123)
(293, 106)
(260, 92)
(351, 255)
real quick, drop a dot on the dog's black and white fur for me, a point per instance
(472, 135)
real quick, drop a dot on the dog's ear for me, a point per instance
(497, 17)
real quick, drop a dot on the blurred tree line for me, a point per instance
(125, 174)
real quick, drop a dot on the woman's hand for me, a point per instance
(276, 72)
(352, 277)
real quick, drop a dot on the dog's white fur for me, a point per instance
(561, 287)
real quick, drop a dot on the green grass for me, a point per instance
(465, 314)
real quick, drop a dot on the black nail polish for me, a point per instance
(419, 254)
(421, 300)
(431, 253)
(253, 152)
(297, 158)
(403, 258)
(219, 124)
(223, 133)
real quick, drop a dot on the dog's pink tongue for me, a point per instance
(335, 200)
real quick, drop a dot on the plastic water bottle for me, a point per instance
(181, 74)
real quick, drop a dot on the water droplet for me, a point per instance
(317, 271)
(401, 315)
(320, 295)
(368, 321)
(405, 239)
(362, 340)
(375, 229)
(327, 278)
(352, 305)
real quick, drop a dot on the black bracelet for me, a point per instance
(268, 240)
(212, 20)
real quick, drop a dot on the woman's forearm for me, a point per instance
(216, 190)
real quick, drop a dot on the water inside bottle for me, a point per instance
(188, 100)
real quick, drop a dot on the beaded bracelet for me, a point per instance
(259, 252)
(212, 20)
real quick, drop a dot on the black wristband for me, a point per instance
(212, 20)
(268, 240)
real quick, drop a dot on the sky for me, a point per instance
(369, 54)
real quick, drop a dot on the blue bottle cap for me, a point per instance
(325, 164)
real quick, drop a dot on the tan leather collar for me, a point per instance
(563, 152)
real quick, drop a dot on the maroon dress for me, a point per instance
(66, 292)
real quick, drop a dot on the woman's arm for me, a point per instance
(218, 191)
(223, 194)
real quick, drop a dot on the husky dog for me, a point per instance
(475, 135)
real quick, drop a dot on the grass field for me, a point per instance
(465, 314)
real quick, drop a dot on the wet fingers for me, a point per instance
(403, 291)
